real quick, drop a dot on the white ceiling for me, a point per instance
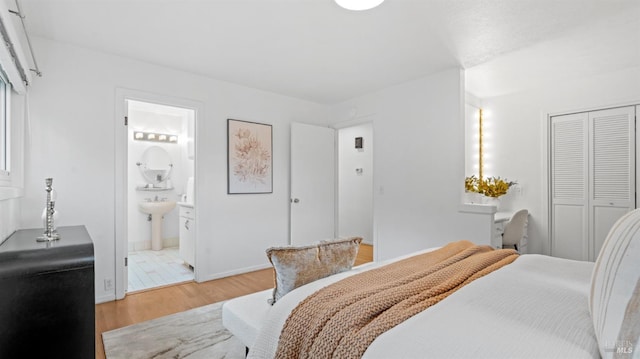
(315, 50)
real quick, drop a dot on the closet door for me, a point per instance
(593, 175)
(612, 171)
(569, 195)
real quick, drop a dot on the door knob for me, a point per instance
(295, 200)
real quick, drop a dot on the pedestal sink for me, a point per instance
(156, 209)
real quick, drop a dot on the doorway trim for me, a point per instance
(121, 173)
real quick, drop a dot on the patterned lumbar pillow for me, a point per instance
(297, 266)
(614, 301)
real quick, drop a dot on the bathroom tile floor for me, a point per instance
(149, 269)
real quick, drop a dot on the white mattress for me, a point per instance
(535, 307)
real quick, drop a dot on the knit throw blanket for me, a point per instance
(342, 319)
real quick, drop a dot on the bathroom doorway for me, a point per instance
(155, 194)
(161, 164)
(355, 181)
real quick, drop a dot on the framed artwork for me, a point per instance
(249, 157)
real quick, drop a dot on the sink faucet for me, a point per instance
(155, 199)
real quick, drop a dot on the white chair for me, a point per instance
(515, 230)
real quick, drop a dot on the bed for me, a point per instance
(535, 307)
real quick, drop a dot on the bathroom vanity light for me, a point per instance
(155, 137)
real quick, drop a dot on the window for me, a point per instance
(4, 130)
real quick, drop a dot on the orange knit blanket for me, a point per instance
(342, 319)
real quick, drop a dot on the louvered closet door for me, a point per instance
(612, 171)
(569, 195)
(592, 178)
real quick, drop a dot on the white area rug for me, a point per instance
(195, 333)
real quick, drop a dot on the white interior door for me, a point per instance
(612, 167)
(569, 201)
(313, 183)
(592, 178)
(125, 205)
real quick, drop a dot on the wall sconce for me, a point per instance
(154, 137)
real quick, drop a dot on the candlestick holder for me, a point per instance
(50, 233)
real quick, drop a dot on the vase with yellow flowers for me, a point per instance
(490, 188)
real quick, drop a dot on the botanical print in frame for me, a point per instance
(250, 157)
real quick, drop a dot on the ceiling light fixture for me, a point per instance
(358, 5)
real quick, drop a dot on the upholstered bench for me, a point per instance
(244, 316)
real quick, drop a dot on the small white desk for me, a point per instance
(488, 224)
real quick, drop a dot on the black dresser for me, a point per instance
(47, 295)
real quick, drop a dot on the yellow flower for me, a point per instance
(471, 184)
(490, 187)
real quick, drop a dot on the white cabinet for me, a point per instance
(187, 234)
(592, 178)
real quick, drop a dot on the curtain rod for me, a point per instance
(26, 35)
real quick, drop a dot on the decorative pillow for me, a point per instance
(297, 266)
(614, 301)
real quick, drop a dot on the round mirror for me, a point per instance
(155, 165)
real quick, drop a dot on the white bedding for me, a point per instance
(536, 307)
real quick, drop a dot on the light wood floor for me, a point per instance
(142, 306)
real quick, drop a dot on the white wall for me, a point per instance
(72, 140)
(355, 190)
(9, 212)
(418, 162)
(519, 136)
(471, 135)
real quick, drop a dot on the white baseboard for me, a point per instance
(111, 296)
(213, 276)
(106, 298)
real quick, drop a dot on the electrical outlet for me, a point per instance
(108, 285)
